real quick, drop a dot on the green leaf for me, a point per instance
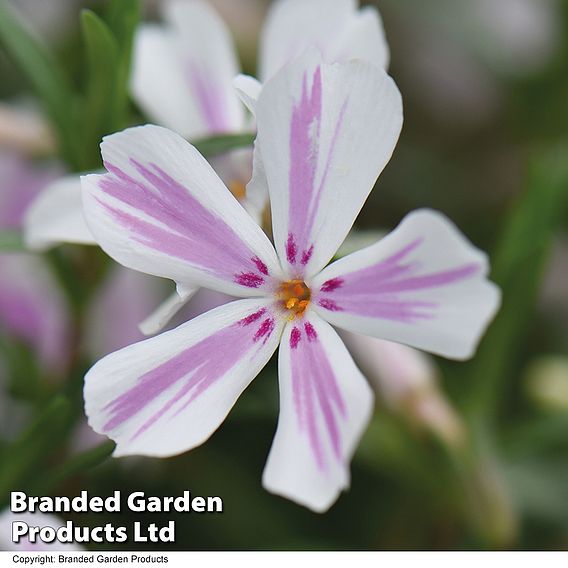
(22, 369)
(539, 487)
(11, 241)
(77, 464)
(46, 77)
(28, 452)
(123, 17)
(102, 106)
(518, 265)
(108, 50)
(224, 143)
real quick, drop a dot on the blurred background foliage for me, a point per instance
(485, 87)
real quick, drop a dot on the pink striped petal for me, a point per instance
(325, 132)
(423, 285)
(183, 71)
(168, 394)
(161, 209)
(325, 404)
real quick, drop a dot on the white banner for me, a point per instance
(286, 559)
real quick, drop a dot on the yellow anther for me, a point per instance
(295, 297)
(291, 303)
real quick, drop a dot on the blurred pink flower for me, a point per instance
(32, 308)
(125, 298)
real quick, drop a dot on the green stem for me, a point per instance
(224, 143)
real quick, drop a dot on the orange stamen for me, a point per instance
(295, 297)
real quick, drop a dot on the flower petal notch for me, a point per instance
(336, 27)
(325, 405)
(423, 285)
(162, 210)
(168, 394)
(322, 154)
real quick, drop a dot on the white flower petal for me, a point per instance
(336, 27)
(183, 71)
(158, 319)
(325, 132)
(364, 38)
(168, 394)
(325, 405)
(423, 285)
(257, 197)
(248, 88)
(56, 216)
(164, 211)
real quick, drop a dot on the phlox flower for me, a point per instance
(182, 77)
(325, 132)
(185, 77)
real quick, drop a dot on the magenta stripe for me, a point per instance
(193, 370)
(380, 290)
(331, 285)
(316, 396)
(185, 229)
(304, 196)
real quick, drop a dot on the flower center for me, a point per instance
(294, 296)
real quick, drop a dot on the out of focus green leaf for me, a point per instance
(518, 265)
(23, 372)
(224, 143)
(102, 100)
(123, 17)
(108, 50)
(28, 452)
(540, 489)
(547, 434)
(11, 241)
(47, 78)
(77, 464)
